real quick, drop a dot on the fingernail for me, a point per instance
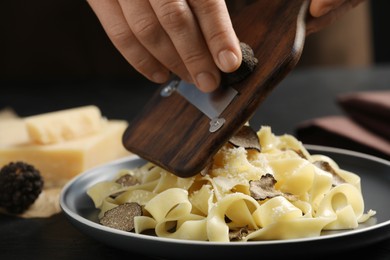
(160, 77)
(206, 82)
(228, 61)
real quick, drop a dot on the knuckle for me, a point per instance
(193, 57)
(204, 7)
(119, 34)
(174, 15)
(217, 36)
(142, 64)
(146, 30)
(175, 65)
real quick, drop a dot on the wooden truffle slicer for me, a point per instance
(180, 129)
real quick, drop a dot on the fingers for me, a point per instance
(215, 23)
(179, 21)
(147, 29)
(110, 14)
(193, 39)
(321, 7)
(325, 12)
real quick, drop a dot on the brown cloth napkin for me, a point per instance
(365, 127)
(370, 109)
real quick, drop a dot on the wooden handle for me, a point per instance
(174, 134)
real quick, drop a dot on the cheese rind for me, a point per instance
(64, 125)
(60, 162)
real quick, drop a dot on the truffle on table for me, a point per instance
(20, 185)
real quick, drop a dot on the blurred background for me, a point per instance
(63, 38)
(55, 55)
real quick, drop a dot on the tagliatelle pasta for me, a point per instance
(280, 192)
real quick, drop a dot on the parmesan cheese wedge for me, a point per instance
(60, 162)
(64, 125)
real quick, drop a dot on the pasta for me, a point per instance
(280, 192)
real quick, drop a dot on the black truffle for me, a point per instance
(248, 64)
(20, 186)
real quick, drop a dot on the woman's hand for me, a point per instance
(193, 39)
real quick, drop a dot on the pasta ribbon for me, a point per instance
(280, 192)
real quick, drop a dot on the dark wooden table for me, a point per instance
(304, 94)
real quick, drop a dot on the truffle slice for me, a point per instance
(246, 137)
(264, 189)
(127, 180)
(248, 64)
(238, 235)
(122, 216)
(323, 165)
(301, 154)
